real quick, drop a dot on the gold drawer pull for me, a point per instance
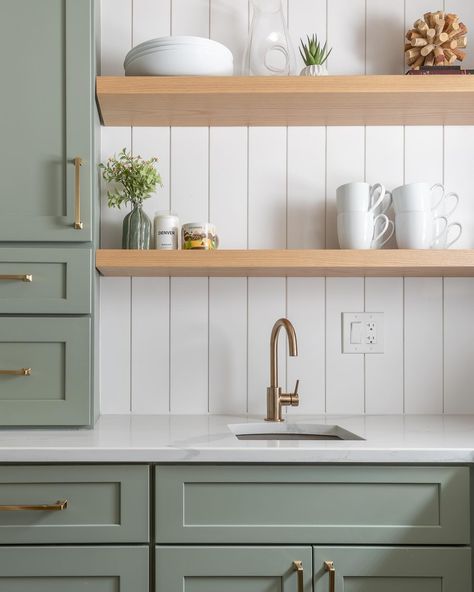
(329, 566)
(78, 225)
(16, 278)
(57, 507)
(21, 372)
(298, 566)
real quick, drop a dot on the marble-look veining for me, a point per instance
(149, 439)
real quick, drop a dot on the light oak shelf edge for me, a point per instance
(286, 263)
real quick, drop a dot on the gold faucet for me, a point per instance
(275, 398)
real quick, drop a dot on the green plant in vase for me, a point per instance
(131, 181)
(314, 56)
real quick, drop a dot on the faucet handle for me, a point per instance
(291, 399)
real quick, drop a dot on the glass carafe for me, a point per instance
(269, 49)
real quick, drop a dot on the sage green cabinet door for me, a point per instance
(45, 281)
(389, 569)
(105, 504)
(74, 569)
(46, 118)
(45, 371)
(231, 569)
(312, 504)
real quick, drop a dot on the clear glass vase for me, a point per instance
(269, 49)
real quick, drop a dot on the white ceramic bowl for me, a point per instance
(176, 42)
(185, 60)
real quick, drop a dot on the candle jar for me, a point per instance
(166, 231)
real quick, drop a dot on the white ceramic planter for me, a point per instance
(314, 71)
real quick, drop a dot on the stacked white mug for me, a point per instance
(361, 219)
(417, 220)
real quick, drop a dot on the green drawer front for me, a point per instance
(370, 569)
(74, 569)
(60, 281)
(58, 352)
(104, 504)
(231, 569)
(301, 504)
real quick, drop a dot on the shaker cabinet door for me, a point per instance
(232, 569)
(46, 119)
(391, 569)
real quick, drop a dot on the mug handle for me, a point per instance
(381, 197)
(389, 202)
(456, 200)
(453, 225)
(440, 234)
(388, 224)
(438, 203)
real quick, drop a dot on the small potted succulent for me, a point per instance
(132, 179)
(314, 56)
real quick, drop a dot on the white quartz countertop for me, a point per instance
(194, 439)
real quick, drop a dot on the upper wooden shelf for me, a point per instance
(285, 263)
(281, 101)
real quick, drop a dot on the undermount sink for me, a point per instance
(290, 431)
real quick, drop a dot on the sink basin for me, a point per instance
(290, 431)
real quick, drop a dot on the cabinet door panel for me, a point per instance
(46, 118)
(231, 569)
(390, 569)
(75, 569)
(57, 352)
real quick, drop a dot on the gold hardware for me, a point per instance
(78, 225)
(17, 278)
(57, 507)
(21, 372)
(329, 566)
(275, 398)
(298, 565)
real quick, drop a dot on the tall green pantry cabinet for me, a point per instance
(47, 222)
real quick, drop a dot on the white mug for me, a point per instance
(418, 197)
(359, 230)
(361, 197)
(416, 230)
(445, 241)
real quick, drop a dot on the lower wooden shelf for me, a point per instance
(285, 263)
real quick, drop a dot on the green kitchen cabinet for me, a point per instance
(45, 371)
(74, 569)
(232, 569)
(46, 120)
(391, 569)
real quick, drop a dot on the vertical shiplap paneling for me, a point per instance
(344, 372)
(115, 298)
(228, 211)
(267, 229)
(385, 33)
(345, 163)
(307, 228)
(189, 323)
(150, 296)
(459, 345)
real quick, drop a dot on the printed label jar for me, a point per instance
(166, 231)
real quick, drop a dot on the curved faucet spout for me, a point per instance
(293, 346)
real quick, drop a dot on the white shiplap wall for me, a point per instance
(199, 345)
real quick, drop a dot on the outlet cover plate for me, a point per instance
(362, 333)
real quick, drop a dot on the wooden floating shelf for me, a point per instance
(281, 101)
(285, 263)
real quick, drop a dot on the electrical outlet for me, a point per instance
(362, 333)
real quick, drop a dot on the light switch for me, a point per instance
(356, 332)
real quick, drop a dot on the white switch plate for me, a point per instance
(362, 333)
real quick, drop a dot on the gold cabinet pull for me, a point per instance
(329, 567)
(298, 567)
(78, 225)
(20, 372)
(57, 507)
(16, 278)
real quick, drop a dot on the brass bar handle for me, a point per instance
(329, 567)
(298, 567)
(78, 225)
(20, 372)
(16, 278)
(57, 507)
